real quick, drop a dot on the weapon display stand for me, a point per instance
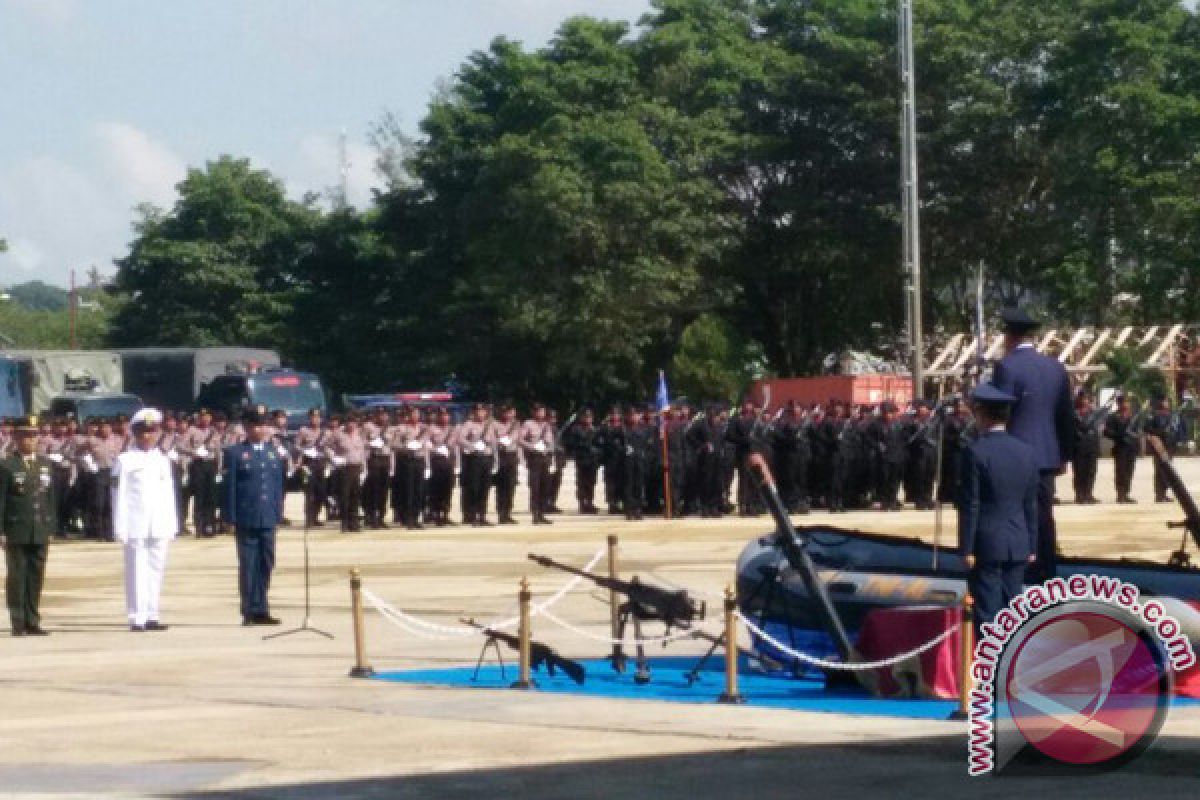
(765, 588)
(768, 589)
(492, 643)
(628, 611)
(305, 627)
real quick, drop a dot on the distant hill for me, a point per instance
(39, 296)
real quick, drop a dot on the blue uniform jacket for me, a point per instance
(1043, 416)
(997, 509)
(253, 486)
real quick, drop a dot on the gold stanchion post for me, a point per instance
(613, 601)
(361, 668)
(524, 677)
(966, 654)
(731, 695)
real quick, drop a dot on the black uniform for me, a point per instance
(611, 442)
(1122, 430)
(841, 438)
(705, 439)
(791, 453)
(889, 444)
(1087, 456)
(746, 435)
(677, 465)
(633, 442)
(921, 466)
(583, 445)
(1163, 424)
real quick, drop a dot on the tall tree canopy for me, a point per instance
(573, 218)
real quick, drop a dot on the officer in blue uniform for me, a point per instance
(1042, 416)
(252, 478)
(997, 508)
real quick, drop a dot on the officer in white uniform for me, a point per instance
(144, 519)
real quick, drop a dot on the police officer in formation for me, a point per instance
(583, 444)
(1163, 423)
(1087, 449)
(1121, 428)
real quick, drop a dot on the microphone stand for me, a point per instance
(305, 627)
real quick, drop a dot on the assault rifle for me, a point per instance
(1191, 521)
(539, 654)
(644, 602)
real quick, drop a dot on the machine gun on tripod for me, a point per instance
(539, 654)
(644, 602)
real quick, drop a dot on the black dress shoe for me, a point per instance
(18, 631)
(137, 628)
(155, 625)
(35, 630)
(266, 619)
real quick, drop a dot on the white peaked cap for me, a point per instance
(147, 416)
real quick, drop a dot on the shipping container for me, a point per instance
(775, 393)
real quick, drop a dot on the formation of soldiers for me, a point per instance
(635, 461)
(364, 469)
(83, 456)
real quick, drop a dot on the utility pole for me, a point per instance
(340, 202)
(72, 305)
(911, 201)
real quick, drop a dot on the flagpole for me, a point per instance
(663, 401)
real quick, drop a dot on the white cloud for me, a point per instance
(26, 255)
(59, 215)
(145, 170)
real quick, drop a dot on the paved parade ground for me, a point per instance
(210, 710)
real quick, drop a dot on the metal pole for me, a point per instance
(666, 461)
(361, 668)
(524, 676)
(911, 200)
(731, 695)
(72, 298)
(614, 612)
(966, 653)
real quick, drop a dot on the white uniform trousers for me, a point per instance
(145, 562)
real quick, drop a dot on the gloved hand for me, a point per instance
(428, 472)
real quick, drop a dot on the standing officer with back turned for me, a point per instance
(997, 508)
(253, 503)
(1043, 417)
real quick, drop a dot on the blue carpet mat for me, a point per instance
(668, 684)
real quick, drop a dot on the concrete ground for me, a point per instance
(209, 709)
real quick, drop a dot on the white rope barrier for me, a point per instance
(433, 631)
(424, 629)
(857, 666)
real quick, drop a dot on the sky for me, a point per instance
(104, 104)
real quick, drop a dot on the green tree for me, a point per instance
(39, 296)
(217, 268)
(714, 361)
(574, 244)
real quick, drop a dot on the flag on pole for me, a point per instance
(663, 400)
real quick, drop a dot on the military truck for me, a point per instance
(172, 378)
(47, 374)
